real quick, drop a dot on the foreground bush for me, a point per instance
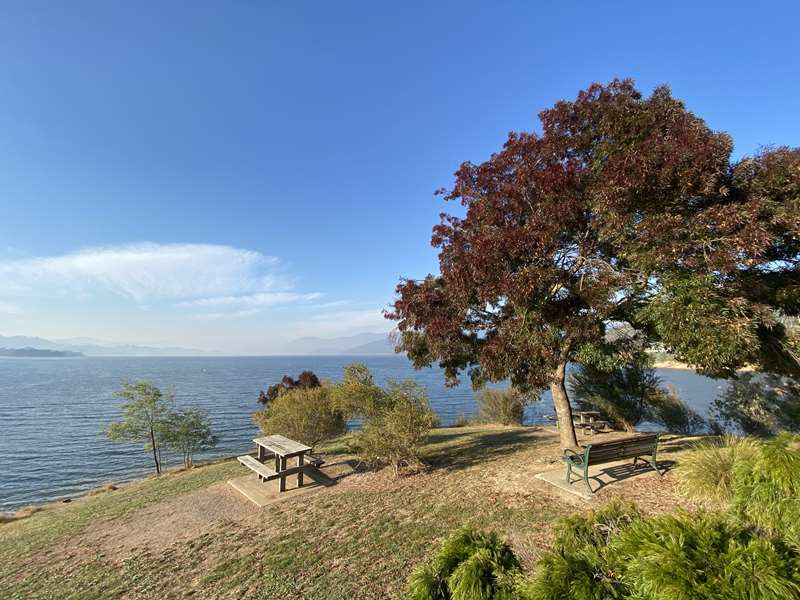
(396, 421)
(309, 415)
(506, 407)
(758, 481)
(703, 556)
(707, 470)
(615, 553)
(470, 566)
(579, 566)
(766, 487)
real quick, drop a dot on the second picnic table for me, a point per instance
(282, 448)
(588, 421)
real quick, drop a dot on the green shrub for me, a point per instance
(766, 487)
(506, 407)
(470, 565)
(701, 556)
(579, 566)
(395, 425)
(707, 470)
(309, 415)
(615, 553)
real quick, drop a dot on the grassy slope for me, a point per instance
(356, 540)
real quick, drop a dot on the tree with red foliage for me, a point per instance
(306, 379)
(624, 210)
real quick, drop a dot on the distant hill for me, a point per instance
(90, 347)
(383, 346)
(37, 353)
(362, 343)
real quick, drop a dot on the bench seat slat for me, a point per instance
(260, 468)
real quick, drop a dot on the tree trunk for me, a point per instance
(558, 389)
(155, 452)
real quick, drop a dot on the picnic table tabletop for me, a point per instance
(282, 446)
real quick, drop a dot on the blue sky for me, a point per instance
(234, 175)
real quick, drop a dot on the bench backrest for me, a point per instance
(604, 452)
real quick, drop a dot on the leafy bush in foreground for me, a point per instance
(766, 488)
(615, 553)
(702, 556)
(470, 566)
(707, 470)
(760, 481)
(579, 566)
(506, 407)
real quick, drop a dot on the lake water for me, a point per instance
(53, 411)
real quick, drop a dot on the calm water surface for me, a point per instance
(53, 411)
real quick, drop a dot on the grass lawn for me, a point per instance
(190, 535)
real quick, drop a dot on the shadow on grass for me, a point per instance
(463, 448)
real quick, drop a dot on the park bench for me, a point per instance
(640, 447)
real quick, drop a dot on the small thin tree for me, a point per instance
(188, 431)
(145, 414)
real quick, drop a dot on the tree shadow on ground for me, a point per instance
(463, 448)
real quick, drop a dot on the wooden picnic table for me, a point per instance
(282, 448)
(586, 416)
(587, 420)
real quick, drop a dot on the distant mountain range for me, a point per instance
(91, 347)
(37, 353)
(359, 344)
(362, 343)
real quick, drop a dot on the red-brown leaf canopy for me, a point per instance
(571, 229)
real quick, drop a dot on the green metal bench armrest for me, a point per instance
(576, 458)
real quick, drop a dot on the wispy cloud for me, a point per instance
(215, 316)
(187, 275)
(149, 271)
(260, 299)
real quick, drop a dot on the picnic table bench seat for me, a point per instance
(265, 473)
(640, 447)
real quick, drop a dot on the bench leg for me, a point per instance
(282, 484)
(586, 478)
(300, 472)
(569, 472)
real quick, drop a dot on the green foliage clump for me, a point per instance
(396, 420)
(759, 481)
(615, 553)
(306, 414)
(188, 431)
(760, 405)
(703, 326)
(471, 565)
(702, 556)
(506, 407)
(580, 567)
(707, 470)
(766, 488)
